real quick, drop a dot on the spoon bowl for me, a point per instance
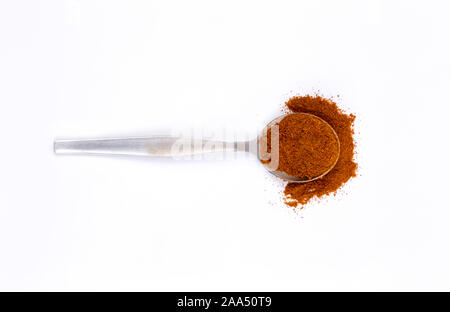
(263, 155)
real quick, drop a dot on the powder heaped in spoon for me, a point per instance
(308, 147)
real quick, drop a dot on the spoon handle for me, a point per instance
(164, 146)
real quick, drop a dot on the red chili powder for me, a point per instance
(307, 147)
(345, 168)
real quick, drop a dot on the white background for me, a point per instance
(101, 68)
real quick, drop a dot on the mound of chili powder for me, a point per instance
(345, 168)
(307, 147)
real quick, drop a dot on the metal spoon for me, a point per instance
(170, 146)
